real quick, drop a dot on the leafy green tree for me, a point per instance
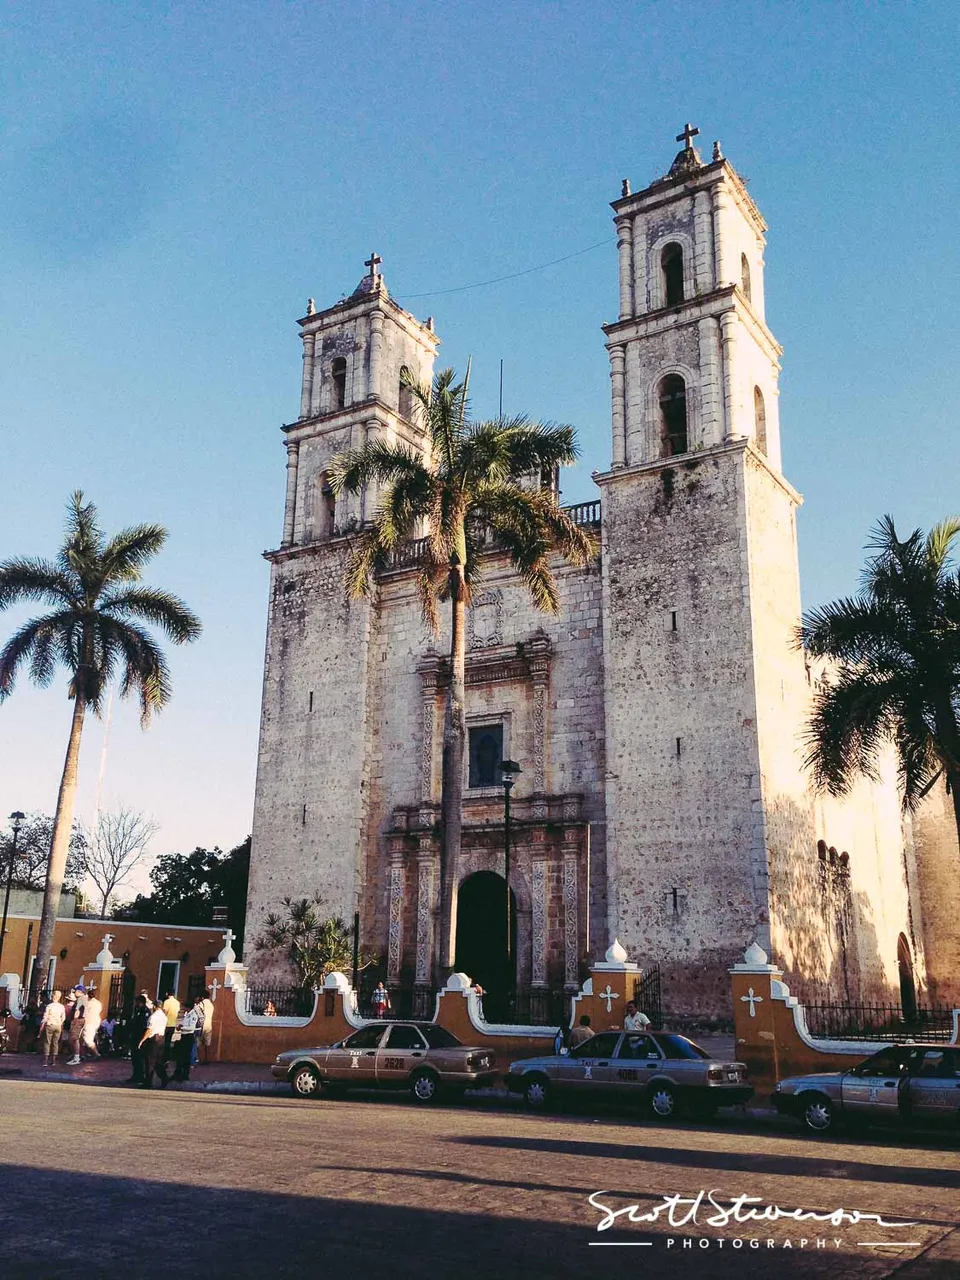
(95, 630)
(33, 850)
(186, 888)
(471, 485)
(314, 944)
(896, 646)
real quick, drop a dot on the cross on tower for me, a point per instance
(373, 262)
(690, 131)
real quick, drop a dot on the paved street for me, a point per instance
(108, 1181)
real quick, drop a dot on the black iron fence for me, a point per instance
(881, 1022)
(526, 1008)
(279, 1002)
(648, 996)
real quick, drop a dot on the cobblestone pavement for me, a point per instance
(111, 1181)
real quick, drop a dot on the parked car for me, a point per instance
(419, 1056)
(658, 1070)
(904, 1083)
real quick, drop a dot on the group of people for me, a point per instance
(159, 1031)
(634, 1020)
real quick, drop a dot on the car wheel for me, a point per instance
(423, 1087)
(537, 1093)
(817, 1113)
(662, 1101)
(305, 1082)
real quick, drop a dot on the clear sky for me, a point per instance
(176, 179)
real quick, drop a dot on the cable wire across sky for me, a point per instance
(515, 275)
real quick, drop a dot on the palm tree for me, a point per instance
(897, 649)
(468, 484)
(94, 630)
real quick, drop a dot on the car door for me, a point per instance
(398, 1055)
(355, 1062)
(872, 1088)
(591, 1065)
(636, 1062)
(935, 1086)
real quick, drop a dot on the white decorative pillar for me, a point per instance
(617, 393)
(711, 382)
(639, 266)
(625, 247)
(395, 939)
(376, 354)
(721, 249)
(729, 325)
(316, 380)
(370, 493)
(571, 910)
(539, 658)
(703, 234)
(290, 509)
(306, 393)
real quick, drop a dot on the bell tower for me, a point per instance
(353, 354)
(692, 362)
(704, 685)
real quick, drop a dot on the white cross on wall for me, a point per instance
(609, 996)
(751, 1000)
(214, 988)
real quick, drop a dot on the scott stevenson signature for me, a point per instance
(682, 1211)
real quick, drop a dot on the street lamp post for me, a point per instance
(16, 818)
(508, 776)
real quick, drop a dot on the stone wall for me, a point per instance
(938, 865)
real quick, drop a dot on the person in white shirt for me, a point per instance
(151, 1047)
(188, 1023)
(50, 1029)
(205, 1008)
(92, 1014)
(635, 1020)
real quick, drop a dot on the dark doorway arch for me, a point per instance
(482, 939)
(908, 986)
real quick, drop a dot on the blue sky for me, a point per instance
(175, 180)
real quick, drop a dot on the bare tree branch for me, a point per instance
(116, 845)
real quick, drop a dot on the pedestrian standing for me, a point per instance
(581, 1032)
(635, 1019)
(205, 1008)
(92, 1016)
(187, 1025)
(138, 1025)
(381, 1001)
(152, 1047)
(76, 1026)
(51, 1027)
(171, 1007)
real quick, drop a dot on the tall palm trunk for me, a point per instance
(59, 846)
(451, 810)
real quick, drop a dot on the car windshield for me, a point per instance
(366, 1037)
(680, 1047)
(439, 1037)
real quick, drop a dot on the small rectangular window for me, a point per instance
(678, 748)
(673, 620)
(311, 700)
(486, 755)
(303, 816)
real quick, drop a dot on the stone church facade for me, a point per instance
(656, 717)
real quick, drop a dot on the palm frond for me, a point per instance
(377, 461)
(368, 557)
(128, 551)
(22, 646)
(161, 608)
(27, 578)
(145, 670)
(940, 541)
(850, 724)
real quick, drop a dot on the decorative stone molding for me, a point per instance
(571, 917)
(395, 937)
(538, 895)
(485, 620)
(425, 914)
